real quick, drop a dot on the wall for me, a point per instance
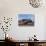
(10, 8)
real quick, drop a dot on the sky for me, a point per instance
(26, 16)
